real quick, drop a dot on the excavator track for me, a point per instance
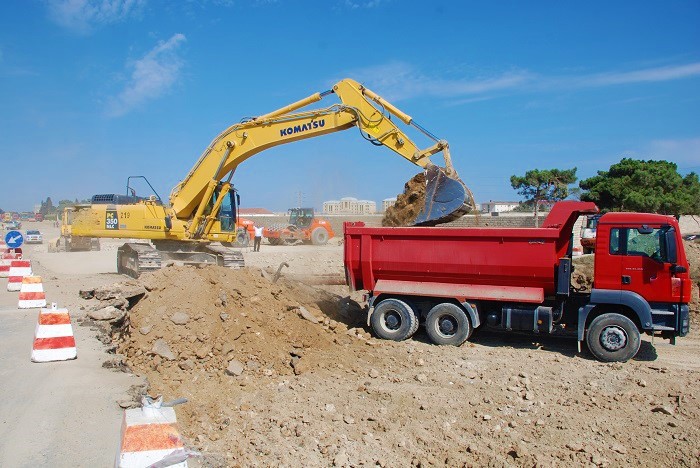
(134, 259)
(227, 256)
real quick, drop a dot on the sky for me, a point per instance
(94, 91)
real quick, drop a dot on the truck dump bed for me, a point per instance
(469, 262)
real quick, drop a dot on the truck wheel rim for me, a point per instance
(392, 320)
(447, 325)
(613, 338)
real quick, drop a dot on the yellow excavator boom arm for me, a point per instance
(241, 141)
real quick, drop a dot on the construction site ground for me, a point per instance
(269, 386)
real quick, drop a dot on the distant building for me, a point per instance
(498, 206)
(349, 205)
(388, 203)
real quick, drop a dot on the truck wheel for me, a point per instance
(447, 324)
(319, 236)
(393, 319)
(613, 338)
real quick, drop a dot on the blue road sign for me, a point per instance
(14, 239)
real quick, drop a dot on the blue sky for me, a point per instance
(94, 91)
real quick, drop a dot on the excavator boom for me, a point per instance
(449, 197)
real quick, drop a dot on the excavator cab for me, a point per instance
(227, 211)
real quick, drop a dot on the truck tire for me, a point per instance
(613, 338)
(319, 236)
(393, 319)
(447, 324)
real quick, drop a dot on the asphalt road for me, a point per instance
(59, 413)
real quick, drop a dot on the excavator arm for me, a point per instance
(446, 196)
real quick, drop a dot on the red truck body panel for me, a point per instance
(512, 264)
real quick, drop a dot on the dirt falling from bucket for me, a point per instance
(408, 204)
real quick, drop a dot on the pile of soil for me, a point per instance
(408, 204)
(206, 318)
(582, 274)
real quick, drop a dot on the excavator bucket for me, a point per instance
(446, 198)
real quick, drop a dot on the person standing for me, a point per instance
(258, 238)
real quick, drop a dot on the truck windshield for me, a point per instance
(629, 241)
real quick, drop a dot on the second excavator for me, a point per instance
(199, 225)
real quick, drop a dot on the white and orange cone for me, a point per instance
(149, 435)
(18, 270)
(53, 337)
(31, 293)
(4, 267)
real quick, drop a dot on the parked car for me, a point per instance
(33, 237)
(12, 225)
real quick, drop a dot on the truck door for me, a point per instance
(643, 265)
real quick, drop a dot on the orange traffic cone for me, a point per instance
(149, 436)
(18, 270)
(31, 294)
(53, 337)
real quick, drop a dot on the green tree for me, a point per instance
(540, 185)
(646, 186)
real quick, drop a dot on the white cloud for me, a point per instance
(645, 75)
(152, 76)
(355, 4)
(82, 16)
(400, 80)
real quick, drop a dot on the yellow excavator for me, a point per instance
(199, 225)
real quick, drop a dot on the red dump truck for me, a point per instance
(455, 280)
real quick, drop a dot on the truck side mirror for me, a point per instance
(671, 247)
(238, 199)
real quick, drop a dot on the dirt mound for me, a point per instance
(408, 204)
(268, 385)
(582, 274)
(205, 318)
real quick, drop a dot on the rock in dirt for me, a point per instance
(86, 293)
(180, 318)
(662, 409)
(145, 330)
(125, 290)
(186, 365)
(235, 368)
(161, 348)
(307, 315)
(106, 313)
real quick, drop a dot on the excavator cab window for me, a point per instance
(227, 213)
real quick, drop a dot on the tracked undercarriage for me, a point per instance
(133, 259)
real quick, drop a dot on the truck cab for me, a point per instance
(640, 265)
